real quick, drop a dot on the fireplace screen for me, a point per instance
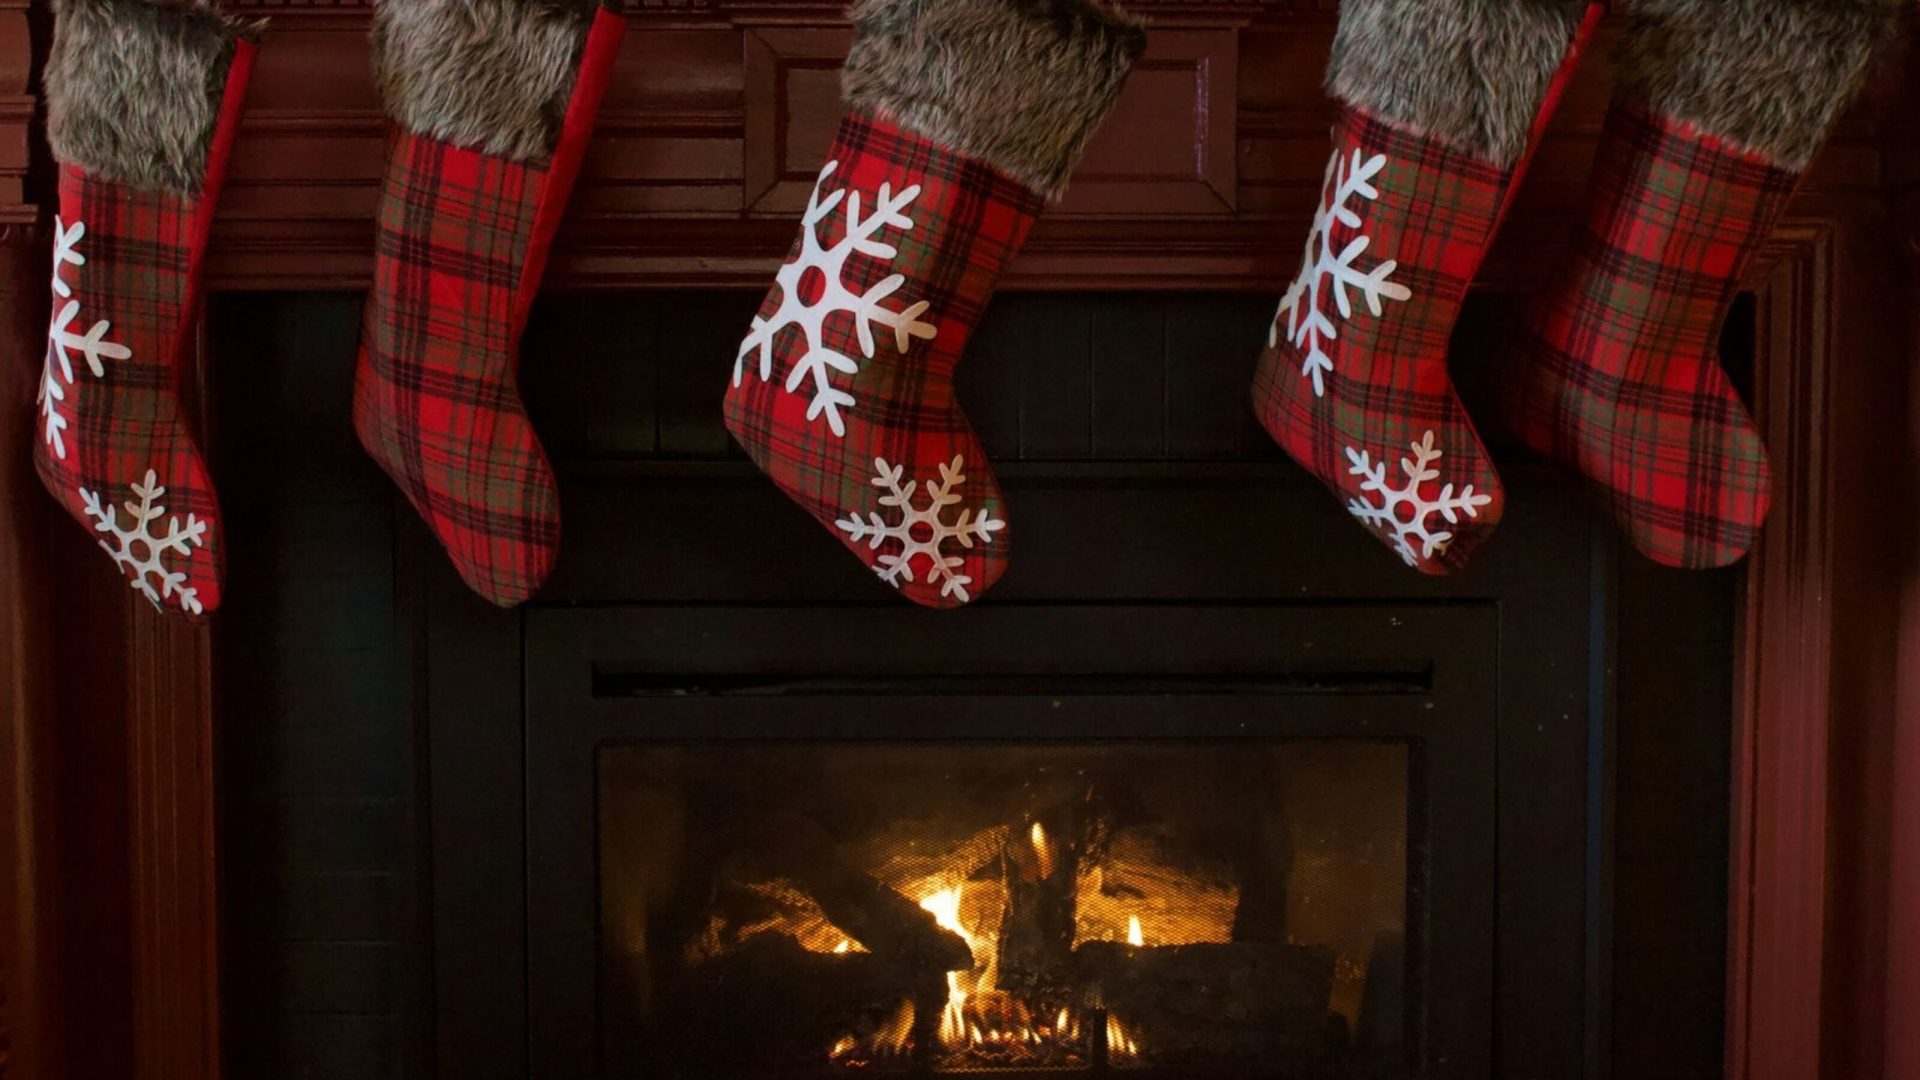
(834, 908)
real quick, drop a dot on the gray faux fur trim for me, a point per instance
(490, 75)
(1470, 73)
(1018, 84)
(134, 89)
(1769, 76)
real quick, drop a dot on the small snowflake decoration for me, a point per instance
(56, 374)
(934, 533)
(1323, 270)
(1402, 512)
(827, 263)
(139, 551)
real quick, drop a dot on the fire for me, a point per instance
(981, 1024)
(1042, 850)
(843, 947)
(892, 1039)
(1134, 936)
(1120, 1042)
(945, 908)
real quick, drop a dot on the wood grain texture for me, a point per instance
(24, 692)
(23, 659)
(1780, 812)
(718, 114)
(1902, 1049)
(170, 848)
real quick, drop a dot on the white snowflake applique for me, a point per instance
(1324, 270)
(57, 373)
(142, 553)
(1401, 512)
(921, 531)
(823, 266)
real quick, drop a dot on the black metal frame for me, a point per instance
(1421, 673)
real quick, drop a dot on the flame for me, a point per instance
(892, 1039)
(981, 1024)
(1134, 936)
(945, 908)
(897, 1033)
(1042, 850)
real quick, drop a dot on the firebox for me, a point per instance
(961, 908)
(1186, 842)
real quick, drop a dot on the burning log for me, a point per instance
(908, 854)
(1036, 937)
(888, 924)
(1241, 1001)
(741, 910)
(771, 1001)
(1147, 877)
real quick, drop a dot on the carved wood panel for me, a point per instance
(1167, 150)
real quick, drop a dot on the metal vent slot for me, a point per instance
(1404, 681)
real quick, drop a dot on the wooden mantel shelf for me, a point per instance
(717, 118)
(719, 114)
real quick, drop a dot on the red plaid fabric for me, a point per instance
(1354, 382)
(1616, 374)
(115, 449)
(436, 398)
(843, 389)
(461, 239)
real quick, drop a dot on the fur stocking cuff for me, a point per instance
(134, 89)
(1769, 76)
(1472, 74)
(489, 75)
(1018, 84)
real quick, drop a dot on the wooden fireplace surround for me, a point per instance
(1205, 179)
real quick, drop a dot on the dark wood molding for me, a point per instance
(1778, 871)
(1902, 1051)
(25, 692)
(171, 853)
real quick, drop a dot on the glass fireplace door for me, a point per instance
(1162, 842)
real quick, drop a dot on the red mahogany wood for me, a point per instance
(1205, 179)
(1902, 765)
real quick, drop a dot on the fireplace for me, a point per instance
(1188, 841)
(1237, 799)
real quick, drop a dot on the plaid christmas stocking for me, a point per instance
(143, 98)
(966, 117)
(1721, 105)
(1440, 100)
(494, 102)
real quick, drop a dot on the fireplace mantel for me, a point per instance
(1205, 180)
